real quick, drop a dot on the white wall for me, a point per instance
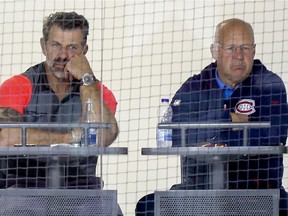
(149, 48)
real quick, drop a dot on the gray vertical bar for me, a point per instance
(245, 136)
(23, 136)
(218, 174)
(53, 174)
(183, 144)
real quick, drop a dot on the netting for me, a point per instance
(144, 51)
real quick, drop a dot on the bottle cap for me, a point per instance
(165, 100)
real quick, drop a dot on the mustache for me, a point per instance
(60, 62)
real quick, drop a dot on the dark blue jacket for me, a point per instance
(200, 99)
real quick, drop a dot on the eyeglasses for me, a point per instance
(245, 48)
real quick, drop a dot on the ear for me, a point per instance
(85, 49)
(254, 51)
(43, 46)
(214, 51)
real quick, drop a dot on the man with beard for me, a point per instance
(55, 91)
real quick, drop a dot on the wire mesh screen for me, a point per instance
(143, 51)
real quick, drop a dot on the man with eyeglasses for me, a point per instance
(234, 88)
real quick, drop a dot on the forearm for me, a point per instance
(47, 137)
(103, 114)
(77, 67)
(13, 136)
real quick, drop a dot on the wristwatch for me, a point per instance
(88, 79)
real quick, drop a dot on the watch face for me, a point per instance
(87, 79)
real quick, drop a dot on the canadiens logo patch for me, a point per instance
(245, 106)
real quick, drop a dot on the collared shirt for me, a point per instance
(31, 95)
(227, 90)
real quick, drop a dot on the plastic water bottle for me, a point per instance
(89, 117)
(164, 136)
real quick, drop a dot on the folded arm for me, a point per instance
(12, 136)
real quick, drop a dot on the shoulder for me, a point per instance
(33, 73)
(26, 78)
(203, 80)
(190, 90)
(14, 81)
(266, 81)
(15, 93)
(264, 76)
(16, 85)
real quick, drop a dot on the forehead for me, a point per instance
(237, 33)
(74, 36)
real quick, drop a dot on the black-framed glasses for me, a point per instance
(245, 48)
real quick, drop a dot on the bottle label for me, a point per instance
(92, 137)
(167, 135)
(164, 137)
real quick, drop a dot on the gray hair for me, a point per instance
(66, 21)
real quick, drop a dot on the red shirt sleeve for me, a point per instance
(15, 93)
(109, 98)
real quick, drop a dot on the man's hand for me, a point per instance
(214, 145)
(236, 117)
(76, 134)
(10, 136)
(77, 66)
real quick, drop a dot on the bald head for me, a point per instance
(228, 25)
(234, 50)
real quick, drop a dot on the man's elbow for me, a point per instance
(108, 136)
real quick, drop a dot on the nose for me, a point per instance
(63, 53)
(238, 52)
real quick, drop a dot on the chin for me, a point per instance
(59, 74)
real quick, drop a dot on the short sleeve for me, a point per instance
(109, 98)
(15, 93)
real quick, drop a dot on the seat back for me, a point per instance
(217, 202)
(38, 202)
